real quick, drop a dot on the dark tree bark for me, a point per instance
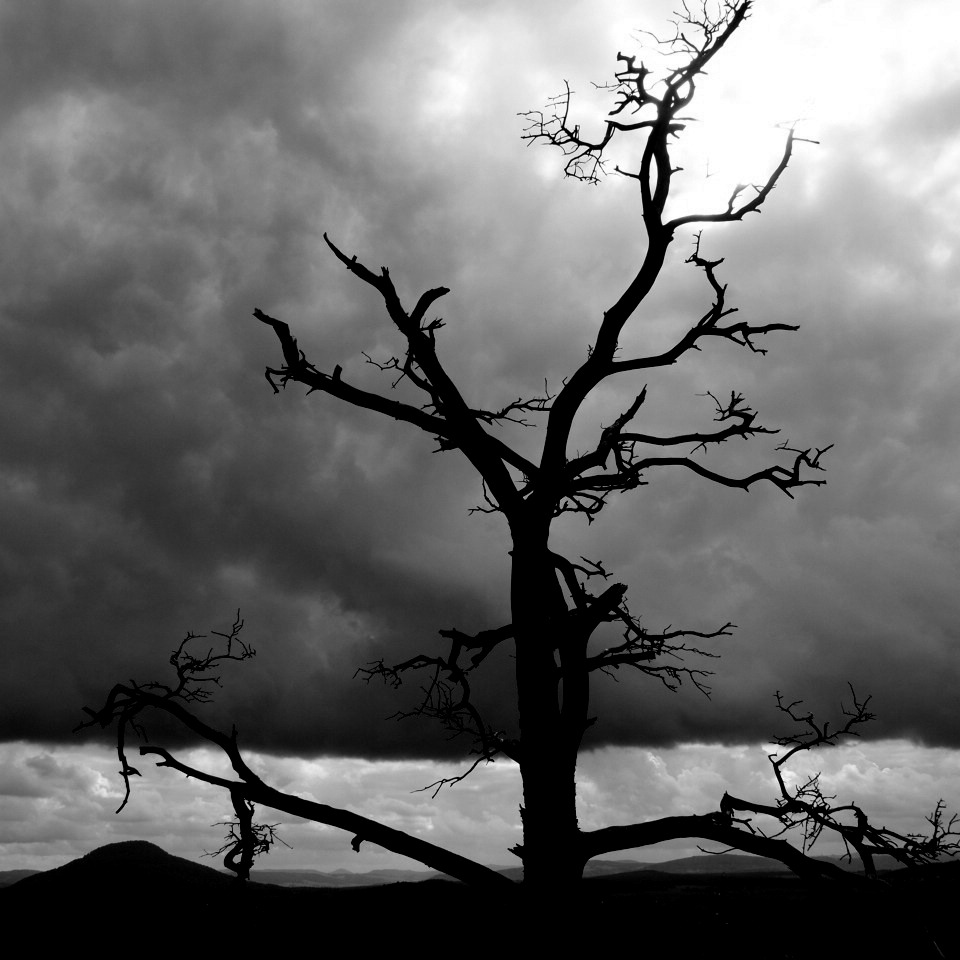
(555, 607)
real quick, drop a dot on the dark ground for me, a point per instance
(134, 894)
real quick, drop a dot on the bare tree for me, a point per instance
(559, 604)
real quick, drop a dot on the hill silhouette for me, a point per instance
(14, 876)
(137, 882)
(110, 871)
(136, 885)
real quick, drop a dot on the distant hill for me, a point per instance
(160, 866)
(730, 864)
(181, 905)
(725, 864)
(682, 908)
(8, 877)
(339, 879)
(110, 870)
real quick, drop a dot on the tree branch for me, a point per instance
(698, 38)
(126, 702)
(806, 808)
(300, 370)
(712, 826)
(245, 840)
(741, 333)
(447, 694)
(447, 417)
(643, 651)
(785, 478)
(623, 445)
(760, 192)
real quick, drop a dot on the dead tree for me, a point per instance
(557, 603)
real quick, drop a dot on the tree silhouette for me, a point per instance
(558, 604)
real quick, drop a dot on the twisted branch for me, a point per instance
(127, 702)
(447, 694)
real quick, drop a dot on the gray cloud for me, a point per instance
(167, 169)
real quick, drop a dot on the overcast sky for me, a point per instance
(165, 168)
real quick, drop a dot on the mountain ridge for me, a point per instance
(140, 892)
(144, 856)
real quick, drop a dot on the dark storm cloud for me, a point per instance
(168, 167)
(152, 483)
(854, 583)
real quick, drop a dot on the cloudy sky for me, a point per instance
(165, 168)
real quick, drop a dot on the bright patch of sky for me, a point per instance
(59, 803)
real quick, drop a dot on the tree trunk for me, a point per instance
(548, 760)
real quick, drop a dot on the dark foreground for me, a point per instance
(135, 894)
